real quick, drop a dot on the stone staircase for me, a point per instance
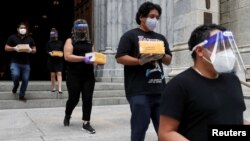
(39, 95)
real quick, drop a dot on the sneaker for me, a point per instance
(88, 128)
(14, 89)
(53, 90)
(22, 98)
(60, 92)
(66, 121)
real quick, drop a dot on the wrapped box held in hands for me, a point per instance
(151, 47)
(97, 58)
(23, 47)
(57, 53)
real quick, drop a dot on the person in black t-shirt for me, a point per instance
(21, 46)
(144, 77)
(80, 73)
(208, 93)
(55, 61)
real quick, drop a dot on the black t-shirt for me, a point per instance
(146, 79)
(197, 102)
(54, 45)
(81, 68)
(2, 59)
(20, 57)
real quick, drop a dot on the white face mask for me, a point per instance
(223, 61)
(151, 23)
(22, 31)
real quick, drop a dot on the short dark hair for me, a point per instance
(144, 10)
(200, 34)
(22, 23)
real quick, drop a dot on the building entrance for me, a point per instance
(40, 16)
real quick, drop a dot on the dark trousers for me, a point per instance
(18, 70)
(76, 85)
(143, 108)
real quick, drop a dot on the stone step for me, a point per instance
(45, 86)
(48, 103)
(39, 95)
(54, 95)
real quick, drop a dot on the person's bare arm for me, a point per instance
(246, 122)
(68, 53)
(168, 130)
(127, 60)
(9, 48)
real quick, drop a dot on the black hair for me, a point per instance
(22, 23)
(200, 34)
(144, 10)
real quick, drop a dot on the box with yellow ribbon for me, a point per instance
(97, 58)
(23, 47)
(151, 47)
(57, 53)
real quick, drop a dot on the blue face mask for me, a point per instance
(151, 23)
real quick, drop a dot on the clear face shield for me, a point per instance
(81, 32)
(225, 56)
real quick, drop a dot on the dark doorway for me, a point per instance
(40, 15)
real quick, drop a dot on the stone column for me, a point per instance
(112, 18)
(188, 14)
(111, 21)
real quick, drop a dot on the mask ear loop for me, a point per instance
(199, 45)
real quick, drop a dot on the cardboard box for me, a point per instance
(151, 47)
(97, 58)
(57, 53)
(23, 47)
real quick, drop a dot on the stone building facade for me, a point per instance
(111, 18)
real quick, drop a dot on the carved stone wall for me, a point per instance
(187, 15)
(112, 18)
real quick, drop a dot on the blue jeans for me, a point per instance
(18, 70)
(143, 108)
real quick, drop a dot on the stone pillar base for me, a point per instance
(111, 71)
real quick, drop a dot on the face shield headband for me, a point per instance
(53, 34)
(80, 26)
(225, 56)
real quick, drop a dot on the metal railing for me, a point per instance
(245, 83)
